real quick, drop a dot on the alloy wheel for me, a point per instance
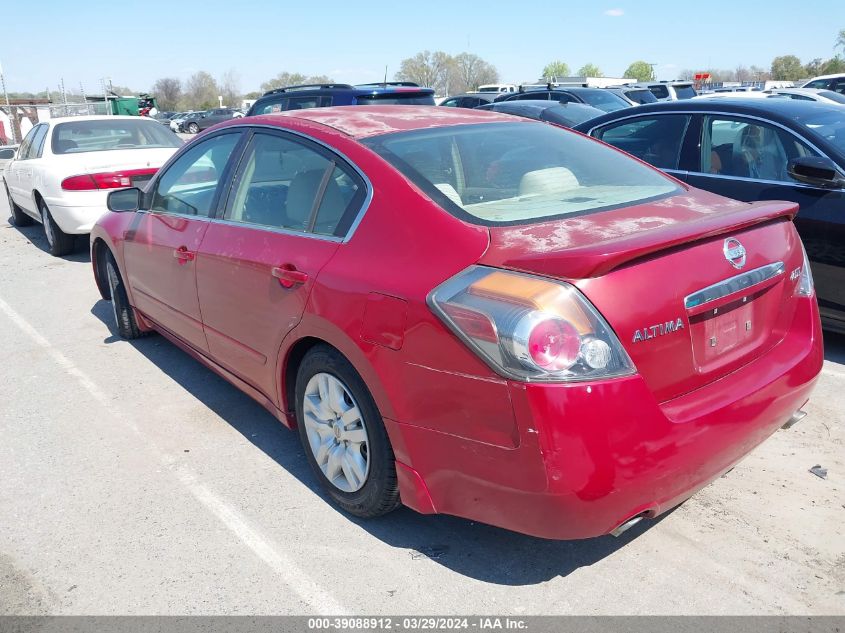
(337, 433)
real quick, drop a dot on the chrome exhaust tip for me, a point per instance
(795, 419)
(626, 525)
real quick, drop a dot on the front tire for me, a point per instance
(343, 435)
(193, 128)
(124, 315)
(59, 242)
(19, 218)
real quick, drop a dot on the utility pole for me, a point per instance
(8, 105)
(84, 98)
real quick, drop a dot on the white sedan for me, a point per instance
(65, 168)
(808, 94)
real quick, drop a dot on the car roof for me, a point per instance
(363, 121)
(776, 109)
(359, 89)
(94, 117)
(833, 76)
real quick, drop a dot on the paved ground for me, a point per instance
(133, 480)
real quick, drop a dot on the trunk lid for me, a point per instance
(116, 160)
(667, 277)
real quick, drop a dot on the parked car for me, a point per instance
(176, 121)
(469, 99)
(600, 98)
(7, 153)
(836, 83)
(470, 314)
(164, 117)
(65, 167)
(204, 120)
(565, 114)
(497, 88)
(325, 95)
(669, 90)
(190, 122)
(633, 95)
(754, 149)
(808, 94)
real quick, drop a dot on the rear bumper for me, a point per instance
(592, 456)
(76, 220)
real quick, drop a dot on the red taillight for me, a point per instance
(105, 180)
(553, 344)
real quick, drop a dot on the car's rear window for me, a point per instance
(76, 137)
(685, 92)
(603, 100)
(833, 96)
(518, 173)
(397, 98)
(641, 96)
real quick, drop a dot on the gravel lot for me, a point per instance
(134, 481)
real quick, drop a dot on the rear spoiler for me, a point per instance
(601, 257)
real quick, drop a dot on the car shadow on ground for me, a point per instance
(472, 549)
(34, 233)
(834, 347)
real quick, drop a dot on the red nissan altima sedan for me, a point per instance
(472, 314)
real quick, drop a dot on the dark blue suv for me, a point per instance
(324, 95)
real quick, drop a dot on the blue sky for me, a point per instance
(136, 43)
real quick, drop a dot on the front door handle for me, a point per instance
(183, 255)
(289, 276)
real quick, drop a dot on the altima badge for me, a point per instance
(734, 252)
(660, 329)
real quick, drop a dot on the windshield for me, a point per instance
(75, 137)
(397, 98)
(517, 173)
(828, 125)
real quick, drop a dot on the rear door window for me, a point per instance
(269, 107)
(287, 184)
(684, 92)
(744, 148)
(656, 140)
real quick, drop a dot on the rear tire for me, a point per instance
(124, 315)
(354, 463)
(59, 242)
(19, 218)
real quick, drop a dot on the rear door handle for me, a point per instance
(183, 254)
(289, 276)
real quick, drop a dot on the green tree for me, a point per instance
(201, 92)
(468, 71)
(590, 70)
(167, 91)
(640, 70)
(834, 65)
(293, 79)
(814, 67)
(427, 69)
(787, 68)
(840, 41)
(556, 68)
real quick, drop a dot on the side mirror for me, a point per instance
(124, 200)
(7, 154)
(815, 170)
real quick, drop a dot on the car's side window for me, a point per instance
(189, 185)
(38, 142)
(451, 103)
(747, 148)
(656, 140)
(838, 86)
(301, 103)
(23, 151)
(272, 106)
(661, 92)
(285, 184)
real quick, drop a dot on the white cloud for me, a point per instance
(614, 13)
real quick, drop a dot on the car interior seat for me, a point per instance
(63, 146)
